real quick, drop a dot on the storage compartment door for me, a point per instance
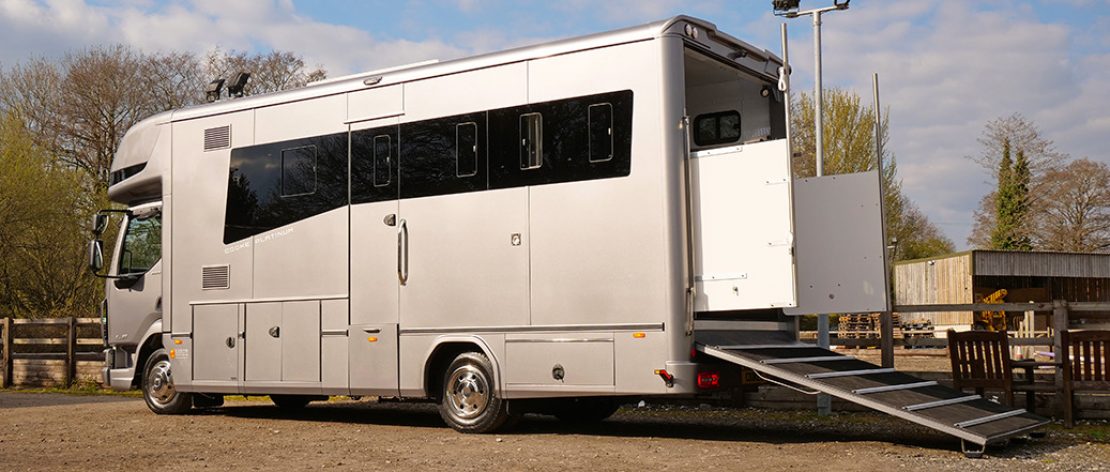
(263, 342)
(373, 359)
(743, 227)
(216, 342)
(584, 359)
(300, 341)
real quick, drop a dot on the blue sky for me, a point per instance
(946, 66)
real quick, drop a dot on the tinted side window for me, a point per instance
(565, 148)
(717, 128)
(374, 161)
(466, 149)
(531, 140)
(428, 157)
(383, 160)
(275, 184)
(601, 132)
(298, 171)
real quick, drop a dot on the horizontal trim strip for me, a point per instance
(939, 403)
(849, 373)
(536, 328)
(802, 360)
(376, 117)
(988, 419)
(333, 332)
(894, 388)
(268, 300)
(721, 325)
(181, 335)
(561, 340)
(745, 347)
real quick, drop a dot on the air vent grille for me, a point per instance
(217, 138)
(215, 277)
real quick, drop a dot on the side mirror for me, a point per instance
(96, 256)
(99, 223)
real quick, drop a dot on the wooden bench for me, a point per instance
(981, 360)
(1084, 362)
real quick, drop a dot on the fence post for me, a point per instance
(1059, 350)
(7, 353)
(71, 351)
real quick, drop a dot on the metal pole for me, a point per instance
(818, 116)
(824, 402)
(784, 87)
(886, 319)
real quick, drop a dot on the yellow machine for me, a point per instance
(993, 320)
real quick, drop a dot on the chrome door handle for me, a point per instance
(403, 253)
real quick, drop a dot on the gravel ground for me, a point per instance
(67, 432)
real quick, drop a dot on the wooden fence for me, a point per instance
(51, 351)
(1062, 314)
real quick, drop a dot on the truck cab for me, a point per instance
(131, 313)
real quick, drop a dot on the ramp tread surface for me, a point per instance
(1003, 421)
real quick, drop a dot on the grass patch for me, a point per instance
(81, 389)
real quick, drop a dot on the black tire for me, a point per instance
(468, 398)
(291, 402)
(158, 388)
(207, 400)
(588, 410)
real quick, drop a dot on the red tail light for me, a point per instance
(709, 380)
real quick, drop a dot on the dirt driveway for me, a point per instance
(64, 432)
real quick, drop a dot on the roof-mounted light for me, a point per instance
(692, 31)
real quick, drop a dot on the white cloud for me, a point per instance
(55, 27)
(946, 68)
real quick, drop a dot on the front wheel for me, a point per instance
(468, 402)
(158, 389)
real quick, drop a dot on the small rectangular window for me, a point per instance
(383, 160)
(717, 128)
(601, 132)
(298, 171)
(466, 149)
(531, 141)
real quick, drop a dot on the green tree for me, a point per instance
(1012, 203)
(42, 230)
(62, 122)
(999, 138)
(850, 147)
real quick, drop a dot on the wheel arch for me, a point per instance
(445, 349)
(152, 341)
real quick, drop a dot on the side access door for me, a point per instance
(376, 232)
(743, 227)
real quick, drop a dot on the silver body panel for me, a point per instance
(584, 277)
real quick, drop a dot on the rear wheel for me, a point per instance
(291, 402)
(158, 389)
(468, 402)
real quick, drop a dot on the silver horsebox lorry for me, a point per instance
(556, 228)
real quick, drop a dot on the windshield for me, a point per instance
(142, 245)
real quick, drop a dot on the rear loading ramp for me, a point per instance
(971, 418)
